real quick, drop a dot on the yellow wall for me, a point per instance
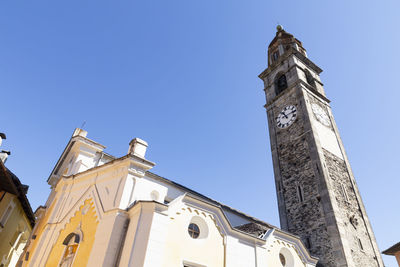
(17, 222)
(38, 231)
(84, 220)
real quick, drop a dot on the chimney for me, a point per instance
(137, 147)
(79, 132)
(4, 155)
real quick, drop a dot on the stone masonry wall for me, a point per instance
(304, 218)
(352, 220)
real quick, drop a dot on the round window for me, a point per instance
(282, 258)
(194, 230)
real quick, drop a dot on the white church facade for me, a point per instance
(106, 211)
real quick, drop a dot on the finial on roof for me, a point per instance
(279, 28)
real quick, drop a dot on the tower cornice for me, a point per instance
(291, 51)
(306, 86)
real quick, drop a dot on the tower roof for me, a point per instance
(283, 37)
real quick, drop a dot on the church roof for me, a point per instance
(392, 250)
(263, 224)
(254, 229)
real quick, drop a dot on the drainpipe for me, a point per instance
(225, 241)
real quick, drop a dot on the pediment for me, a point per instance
(72, 202)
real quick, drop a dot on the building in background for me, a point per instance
(16, 216)
(394, 251)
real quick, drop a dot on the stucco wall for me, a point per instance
(84, 222)
(206, 250)
(15, 231)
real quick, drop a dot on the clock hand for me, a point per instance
(283, 113)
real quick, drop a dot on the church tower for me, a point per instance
(317, 194)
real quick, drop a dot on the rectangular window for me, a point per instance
(6, 215)
(308, 242)
(275, 56)
(344, 193)
(300, 193)
(360, 244)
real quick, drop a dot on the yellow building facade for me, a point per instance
(108, 211)
(16, 217)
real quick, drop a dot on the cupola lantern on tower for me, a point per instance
(282, 43)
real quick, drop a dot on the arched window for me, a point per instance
(309, 78)
(71, 243)
(275, 56)
(280, 84)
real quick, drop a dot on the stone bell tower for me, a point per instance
(318, 197)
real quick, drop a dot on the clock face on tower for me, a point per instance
(320, 114)
(286, 117)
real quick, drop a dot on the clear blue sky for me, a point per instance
(182, 75)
